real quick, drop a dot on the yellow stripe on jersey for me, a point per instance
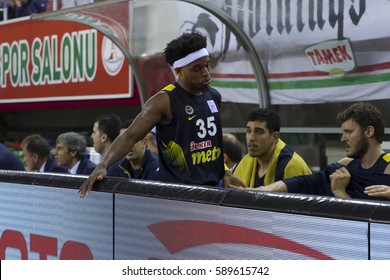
(169, 87)
(386, 157)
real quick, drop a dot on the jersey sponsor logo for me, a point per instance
(212, 106)
(189, 110)
(201, 145)
(190, 118)
(205, 156)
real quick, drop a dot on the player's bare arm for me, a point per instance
(156, 110)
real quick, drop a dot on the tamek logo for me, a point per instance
(180, 235)
(112, 57)
(334, 57)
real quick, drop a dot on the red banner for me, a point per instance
(44, 61)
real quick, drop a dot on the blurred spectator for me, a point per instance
(23, 8)
(70, 152)
(152, 141)
(8, 160)
(105, 130)
(72, 3)
(232, 151)
(140, 162)
(37, 156)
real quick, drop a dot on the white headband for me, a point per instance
(190, 58)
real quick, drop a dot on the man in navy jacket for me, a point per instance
(37, 156)
(23, 8)
(140, 162)
(8, 161)
(71, 149)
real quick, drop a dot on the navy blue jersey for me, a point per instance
(319, 183)
(379, 166)
(115, 171)
(149, 170)
(190, 147)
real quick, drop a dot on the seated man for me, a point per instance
(269, 159)
(232, 151)
(37, 156)
(366, 164)
(152, 141)
(104, 131)
(71, 148)
(23, 8)
(140, 162)
(8, 160)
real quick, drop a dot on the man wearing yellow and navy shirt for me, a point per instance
(269, 159)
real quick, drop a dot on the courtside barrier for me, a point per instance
(43, 217)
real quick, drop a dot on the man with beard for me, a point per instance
(366, 163)
(187, 119)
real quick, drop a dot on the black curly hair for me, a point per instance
(183, 45)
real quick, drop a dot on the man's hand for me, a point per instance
(339, 181)
(378, 191)
(278, 186)
(97, 175)
(231, 181)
